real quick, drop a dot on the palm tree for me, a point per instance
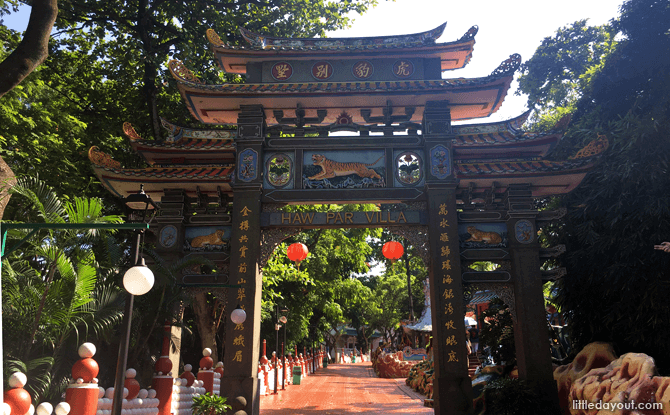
(53, 295)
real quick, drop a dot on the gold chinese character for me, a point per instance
(242, 267)
(445, 251)
(245, 211)
(450, 325)
(244, 226)
(444, 237)
(448, 293)
(362, 70)
(238, 341)
(244, 238)
(443, 209)
(446, 264)
(452, 356)
(448, 309)
(282, 71)
(239, 326)
(403, 69)
(241, 281)
(238, 356)
(451, 340)
(443, 223)
(243, 251)
(240, 294)
(322, 71)
(447, 280)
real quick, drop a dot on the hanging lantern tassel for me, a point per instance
(392, 251)
(297, 252)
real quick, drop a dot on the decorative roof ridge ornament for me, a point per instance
(562, 124)
(130, 132)
(512, 125)
(102, 159)
(266, 42)
(508, 66)
(178, 132)
(182, 73)
(470, 34)
(214, 38)
(595, 148)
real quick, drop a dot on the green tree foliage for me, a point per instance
(107, 65)
(146, 34)
(321, 295)
(561, 69)
(498, 333)
(55, 294)
(616, 288)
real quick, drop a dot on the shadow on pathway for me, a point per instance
(344, 389)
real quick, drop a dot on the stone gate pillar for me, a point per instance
(452, 389)
(240, 377)
(531, 336)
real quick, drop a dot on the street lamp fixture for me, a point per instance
(140, 201)
(283, 320)
(138, 280)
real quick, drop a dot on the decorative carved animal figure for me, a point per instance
(215, 238)
(330, 168)
(476, 235)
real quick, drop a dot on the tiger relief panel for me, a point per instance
(344, 169)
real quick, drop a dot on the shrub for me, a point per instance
(209, 404)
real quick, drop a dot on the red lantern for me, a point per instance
(392, 250)
(297, 252)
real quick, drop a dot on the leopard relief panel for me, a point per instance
(344, 169)
(207, 238)
(482, 235)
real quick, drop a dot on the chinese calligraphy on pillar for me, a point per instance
(242, 270)
(447, 288)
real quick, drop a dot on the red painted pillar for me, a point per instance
(82, 394)
(264, 364)
(206, 373)
(162, 382)
(289, 372)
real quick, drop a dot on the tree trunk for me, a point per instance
(150, 68)
(34, 47)
(205, 322)
(7, 181)
(409, 289)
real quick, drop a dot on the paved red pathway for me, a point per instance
(345, 389)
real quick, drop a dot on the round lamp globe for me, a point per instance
(238, 316)
(138, 280)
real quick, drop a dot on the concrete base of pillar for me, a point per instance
(246, 387)
(452, 396)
